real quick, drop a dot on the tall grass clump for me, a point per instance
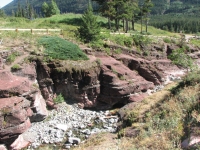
(58, 48)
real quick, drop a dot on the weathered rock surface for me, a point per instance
(119, 83)
(27, 70)
(100, 86)
(11, 85)
(103, 81)
(155, 71)
(20, 102)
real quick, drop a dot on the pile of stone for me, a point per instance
(71, 125)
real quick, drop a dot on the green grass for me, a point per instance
(195, 42)
(11, 58)
(15, 67)
(58, 48)
(59, 99)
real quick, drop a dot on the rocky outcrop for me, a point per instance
(103, 81)
(119, 84)
(80, 83)
(101, 84)
(20, 103)
(152, 70)
(27, 70)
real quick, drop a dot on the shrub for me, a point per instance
(98, 44)
(167, 40)
(59, 99)
(15, 67)
(140, 40)
(11, 58)
(58, 48)
(179, 57)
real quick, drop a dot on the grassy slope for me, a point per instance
(165, 118)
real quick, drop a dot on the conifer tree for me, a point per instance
(45, 9)
(89, 30)
(2, 14)
(53, 8)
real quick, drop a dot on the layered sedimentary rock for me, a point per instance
(20, 103)
(103, 81)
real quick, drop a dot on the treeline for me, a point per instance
(125, 12)
(176, 23)
(27, 11)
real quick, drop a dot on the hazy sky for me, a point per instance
(4, 2)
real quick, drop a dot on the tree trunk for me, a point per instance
(117, 24)
(141, 25)
(133, 25)
(126, 26)
(109, 23)
(146, 22)
(123, 25)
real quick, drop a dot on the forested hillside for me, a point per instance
(79, 6)
(75, 6)
(176, 6)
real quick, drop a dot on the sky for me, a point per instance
(4, 2)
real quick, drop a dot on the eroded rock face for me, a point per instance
(119, 84)
(119, 79)
(20, 101)
(104, 84)
(155, 70)
(80, 85)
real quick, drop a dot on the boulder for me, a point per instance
(3, 147)
(27, 70)
(12, 85)
(39, 106)
(19, 143)
(74, 140)
(23, 140)
(20, 101)
(191, 142)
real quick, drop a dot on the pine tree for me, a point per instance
(53, 8)
(45, 9)
(89, 30)
(2, 14)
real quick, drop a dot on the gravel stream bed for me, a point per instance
(70, 125)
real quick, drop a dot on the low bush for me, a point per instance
(141, 40)
(15, 67)
(58, 48)
(59, 99)
(179, 57)
(11, 58)
(167, 40)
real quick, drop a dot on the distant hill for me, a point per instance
(176, 6)
(75, 6)
(79, 6)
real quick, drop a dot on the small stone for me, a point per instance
(3, 147)
(95, 130)
(86, 131)
(67, 146)
(74, 140)
(69, 133)
(59, 134)
(111, 120)
(62, 127)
